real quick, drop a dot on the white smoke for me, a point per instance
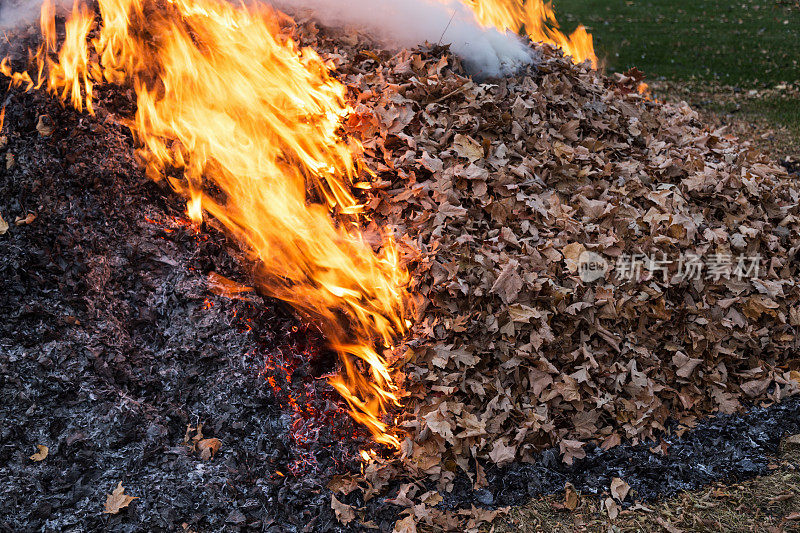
(407, 23)
(19, 13)
(14, 13)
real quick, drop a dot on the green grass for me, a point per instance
(773, 109)
(746, 43)
(711, 53)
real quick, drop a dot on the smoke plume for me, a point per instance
(15, 13)
(407, 23)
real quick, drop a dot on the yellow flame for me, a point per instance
(537, 20)
(252, 122)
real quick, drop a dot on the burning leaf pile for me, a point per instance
(502, 191)
(587, 265)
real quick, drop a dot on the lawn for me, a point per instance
(723, 49)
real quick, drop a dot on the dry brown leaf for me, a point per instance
(405, 525)
(29, 218)
(45, 126)
(571, 498)
(502, 454)
(198, 434)
(572, 253)
(467, 147)
(439, 422)
(571, 450)
(792, 442)
(117, 500)
(344, 512)
(611, 441)
(3, 225)
(41, 454)
(619, 489)
(611, 507)
(431, 498)
(343, 484)
(208, 448)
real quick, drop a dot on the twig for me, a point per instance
(460, 88)
(445, 28)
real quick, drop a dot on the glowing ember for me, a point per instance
(252, 122)
(538, 21)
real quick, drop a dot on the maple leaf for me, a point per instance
(117, 500)
(41, 454)
(502, 454)
(572, 449)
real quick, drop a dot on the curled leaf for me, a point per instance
(619, 489)
(41, 454)
(344, 512)
(571, 499)
(208, 448)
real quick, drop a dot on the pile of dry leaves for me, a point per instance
(498, 192)
(498, 189)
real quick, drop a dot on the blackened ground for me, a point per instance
(111, 345)
(723, 448)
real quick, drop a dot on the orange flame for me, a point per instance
(71, 73)
(537, 20)
(252, 121)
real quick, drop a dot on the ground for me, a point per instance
(766, 503)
